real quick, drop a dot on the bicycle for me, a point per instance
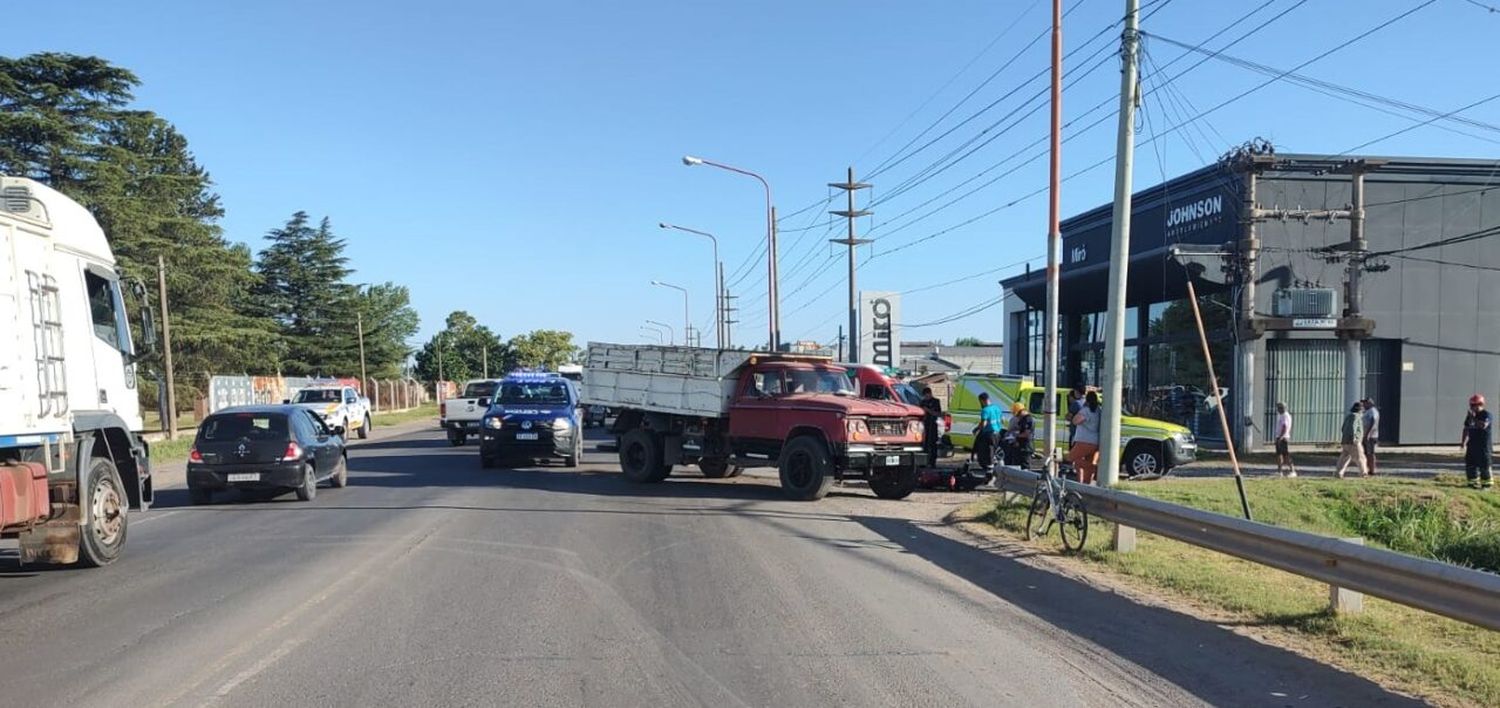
(1053, 503)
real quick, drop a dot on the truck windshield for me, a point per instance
(318, 395)
(817, 381)
(548, 393)
(480, 389)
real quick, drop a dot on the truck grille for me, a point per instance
(888, 427)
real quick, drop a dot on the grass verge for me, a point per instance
(171, 450)
(428, 411)
(1442, 660)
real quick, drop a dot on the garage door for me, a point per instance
(1308, 376)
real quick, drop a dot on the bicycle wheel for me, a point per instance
(1039, 513)
(1074, 525)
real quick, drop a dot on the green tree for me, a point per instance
(54, 107)
(463, 346)
(543, 348)
(302, 287)
(968, 342)
(389, 322)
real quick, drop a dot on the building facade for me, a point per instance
(1274, 231)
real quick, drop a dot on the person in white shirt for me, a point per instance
(1283, 442)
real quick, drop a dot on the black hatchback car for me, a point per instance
(265, 448)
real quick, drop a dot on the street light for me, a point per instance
(718, 284)
(656, 332)
(772, 287)
(671, 337)
(687, 321)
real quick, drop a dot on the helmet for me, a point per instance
(1476, 400)
(1017, 407)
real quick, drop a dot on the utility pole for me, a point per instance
(484, 357)
(729, 320)
(1054, 240)
(359, 321)
(850, 187)
(775, 288)
(723, 314)
(169, 419)
(1358, 250)
(841, 344)
(1119, 254)
(440, 362)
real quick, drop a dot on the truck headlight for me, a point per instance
(914, 428)
(562, 424)
(856, 429)
(494, 423)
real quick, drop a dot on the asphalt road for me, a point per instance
(429, 581)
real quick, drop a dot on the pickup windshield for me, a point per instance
(538, 393)
(908, 394)
(318, 395)
(480, 389)
(817, 381)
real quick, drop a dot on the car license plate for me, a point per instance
(892, 460)
(525, 436)
(244, 477)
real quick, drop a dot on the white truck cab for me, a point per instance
(70, 419)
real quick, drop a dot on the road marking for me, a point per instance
(158, 515)
(259, 666)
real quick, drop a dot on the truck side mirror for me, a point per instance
(148, 321)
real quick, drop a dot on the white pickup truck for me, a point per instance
(337, 405)
(461, 416)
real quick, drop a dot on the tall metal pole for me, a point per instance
(484, 356)
(169, 423)
(852, 243)
(773, 293)
(671, 333)
(1244, 370)
(359, 320)
(1054, 238)
(715, 277)
(723, 310)
(1119, 254)
(775, 279)
(1353, 365)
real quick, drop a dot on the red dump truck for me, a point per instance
(726, 410)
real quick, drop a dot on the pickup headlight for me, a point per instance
(561, 424)
(494, 423)
(856, 429)
(914, 428)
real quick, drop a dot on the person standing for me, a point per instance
(986, 431)
(1022, 430)
(1350, 440)
(1284, 442)
(1476, 444)
(1085, 452)
(1075, 404)
(1372, 433)
(932, 410)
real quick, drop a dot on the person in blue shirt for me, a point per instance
(986, 432)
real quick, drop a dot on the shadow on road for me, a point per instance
(1213, 663)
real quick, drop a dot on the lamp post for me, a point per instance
(718, 285)
(687, 320)
(654, 332)
(772, 287)
(671, 338)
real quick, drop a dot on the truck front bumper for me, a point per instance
(862, 460)
(1180, 453)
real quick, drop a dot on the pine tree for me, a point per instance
(302, 287)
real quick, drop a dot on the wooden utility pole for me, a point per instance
(852, 243)
(169, 421)
(1054, 242)
(359, 322)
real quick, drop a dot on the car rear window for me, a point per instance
(234, 426)
(481, 389)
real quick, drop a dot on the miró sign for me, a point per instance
(880, 328)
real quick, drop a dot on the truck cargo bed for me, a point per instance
(677, 380)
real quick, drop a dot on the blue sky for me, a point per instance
(513, 159)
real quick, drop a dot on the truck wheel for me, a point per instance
(572, 460)
(364, 428)
(309, 487)
(715, 468)
(805, 469)
(735, 471)
(1144, 458)
(894, 484)
(104, 536)
(640, 457)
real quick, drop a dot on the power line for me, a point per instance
(1409, 128)
(964, 314)
(1483, 6)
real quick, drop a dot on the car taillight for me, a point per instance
(293, 452)
(194, 455)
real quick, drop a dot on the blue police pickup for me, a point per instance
(532, 416)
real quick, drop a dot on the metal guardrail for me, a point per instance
(1461, 593)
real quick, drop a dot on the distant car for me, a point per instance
(282, 447)
(339, 405)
